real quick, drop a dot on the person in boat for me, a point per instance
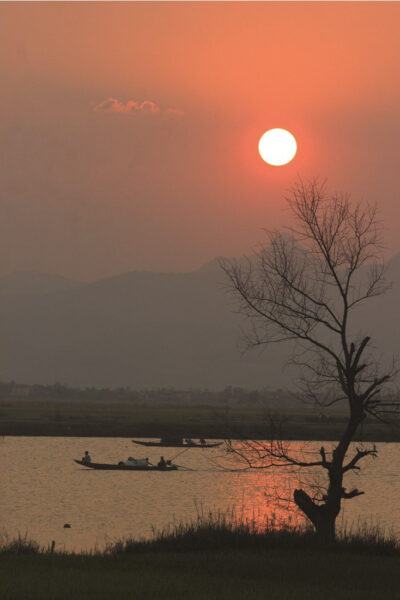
(87, 458)
(162, 463)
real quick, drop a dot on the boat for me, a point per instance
(124, 467)
(179, 443)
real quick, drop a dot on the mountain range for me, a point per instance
(149, 330)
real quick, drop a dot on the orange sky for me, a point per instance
(91, 192)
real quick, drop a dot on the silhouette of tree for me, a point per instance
(304, 286)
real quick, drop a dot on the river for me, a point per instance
(42, 489)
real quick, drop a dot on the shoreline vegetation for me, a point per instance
(234, 413)
(69, 418)
(212, 557)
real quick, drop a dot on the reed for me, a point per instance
(227, 530)
(215, 557)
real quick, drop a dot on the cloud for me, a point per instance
(133, 107)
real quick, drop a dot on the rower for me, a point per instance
(87, 458)
(162, 463)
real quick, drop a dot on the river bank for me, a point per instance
(232, 575)
(124, 419)
(208, 562)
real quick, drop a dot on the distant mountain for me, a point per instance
(28, 282)
(146, 329)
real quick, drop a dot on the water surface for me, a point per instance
(42, 489)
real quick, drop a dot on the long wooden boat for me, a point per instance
(123, 467)
(172, 444)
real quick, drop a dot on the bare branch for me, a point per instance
(352, 465)
(303, 288)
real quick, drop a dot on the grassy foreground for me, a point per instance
(208, 561)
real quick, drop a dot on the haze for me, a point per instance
(129, 131)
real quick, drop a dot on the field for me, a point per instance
(228, 575)
(133, 419)
(210, 562)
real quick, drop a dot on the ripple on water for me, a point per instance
(42, 489)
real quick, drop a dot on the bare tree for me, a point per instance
(304, 286)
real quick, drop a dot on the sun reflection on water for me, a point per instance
(43, 489)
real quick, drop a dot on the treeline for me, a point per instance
(230, 396)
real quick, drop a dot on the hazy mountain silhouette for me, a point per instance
(147, 330)
(28, 282)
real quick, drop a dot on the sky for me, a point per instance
(129, 131)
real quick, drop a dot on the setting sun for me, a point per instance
(277, 147)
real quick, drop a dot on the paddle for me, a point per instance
(184, 468)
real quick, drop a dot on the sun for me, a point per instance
(277, 147)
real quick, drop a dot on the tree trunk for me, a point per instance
(325, 528)
(322, 517)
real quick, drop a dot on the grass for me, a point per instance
(129, 419)
(211, 558)
(226, 531)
